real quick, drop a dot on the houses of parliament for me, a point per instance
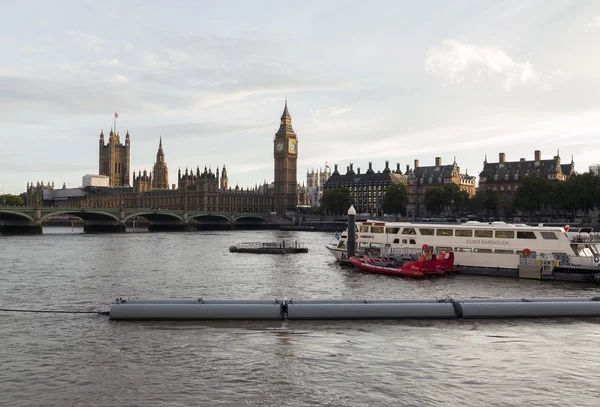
(200, 190)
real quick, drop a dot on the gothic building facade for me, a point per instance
(311, 193)
(199, 191)
(285, 155)
(161, 172)
(114, 159)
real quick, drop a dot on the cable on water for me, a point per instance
(45, 311)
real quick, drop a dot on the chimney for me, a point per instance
(416, 164)
(335, 167)
(370, 165)
(358, 170)
(538, 155)
(387, 164)
(502, 158)
(522, 159)
(352, 167)
(438, 161)
(398, 167)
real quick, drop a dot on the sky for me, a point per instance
(365, 82)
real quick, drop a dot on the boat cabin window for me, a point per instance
(444, 232)
(392, 231)
(463, 233)
(484, 233)
(463, 249)
(504, 251)
(482, 250)
(405, 241)
(505, 234)
(426, 232)
(341, 244)
(363, 245)
(377, 229)
(413, 241)
(549, 235)
(525, 235)
(442, 249)
(409, 231)
(364, 229)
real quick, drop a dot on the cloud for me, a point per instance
(453, 61)
(595, 23)
(114, 63)
(84, 40)
(151, 60)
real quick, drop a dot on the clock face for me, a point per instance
(279, 146)
(292, 146)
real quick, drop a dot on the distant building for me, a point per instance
(595, 169)
(313, 191)
(114, 159)
(421, 178)
(366, 189)
(505, 176)
(161, 173)
(91, 180)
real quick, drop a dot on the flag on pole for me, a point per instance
(116, 115)
(326, 165)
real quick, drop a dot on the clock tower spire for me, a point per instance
(285, 154)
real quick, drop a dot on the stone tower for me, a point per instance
(160, 175)
(224, 179)
(114, 159)
(285, 154)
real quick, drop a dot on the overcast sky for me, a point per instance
(365, 81)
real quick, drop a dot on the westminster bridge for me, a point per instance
(25, 220)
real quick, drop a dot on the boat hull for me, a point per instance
(390, 271)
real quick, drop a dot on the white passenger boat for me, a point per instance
(495, 248)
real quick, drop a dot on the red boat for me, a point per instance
(425, 266)
(445, 263)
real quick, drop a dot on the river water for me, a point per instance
(87, 360)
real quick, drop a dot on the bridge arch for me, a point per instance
(155, 216)
(83, 214)
(250, 219)
(7, 214)
(211, 216)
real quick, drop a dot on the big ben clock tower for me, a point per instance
(285, 153)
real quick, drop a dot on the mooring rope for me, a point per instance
(45, 311)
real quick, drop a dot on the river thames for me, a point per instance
(87, 360)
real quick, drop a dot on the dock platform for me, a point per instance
(269, 247)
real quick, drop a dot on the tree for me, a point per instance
(336, 201)
(485, 203)
(456, 199)
(533, 194)
(395, 200)
(11, 200)
(435, 200)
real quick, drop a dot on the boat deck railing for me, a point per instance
(270, 245)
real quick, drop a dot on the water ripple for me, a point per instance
(86, 360)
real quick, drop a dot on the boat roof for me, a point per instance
(468, 224)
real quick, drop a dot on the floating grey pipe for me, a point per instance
(196, 310)
(200, 309)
